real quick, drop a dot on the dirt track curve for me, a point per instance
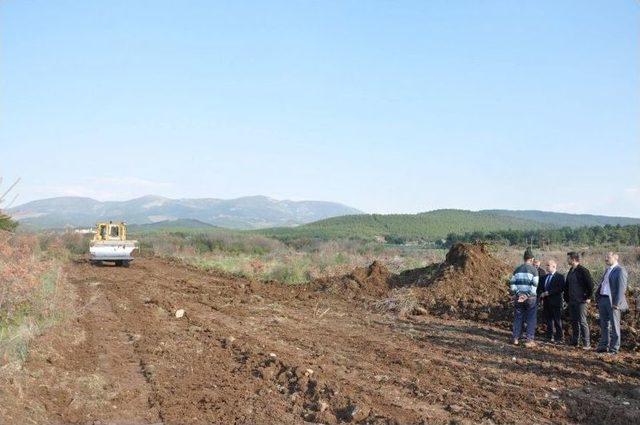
(254, 353)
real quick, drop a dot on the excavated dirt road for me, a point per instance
(253, 353)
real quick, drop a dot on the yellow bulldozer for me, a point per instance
(110, 244)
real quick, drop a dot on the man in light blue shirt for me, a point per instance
(611, 302)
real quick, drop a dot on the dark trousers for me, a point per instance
(525, 312)
(553, 319)
(609, 318)
(579, 325)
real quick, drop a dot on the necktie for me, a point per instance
(605, 279)
(546, 284)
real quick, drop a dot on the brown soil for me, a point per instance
(470, 284)
(253, 353)
(369, 281)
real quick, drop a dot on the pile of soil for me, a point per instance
(373, 281)
(470, 284)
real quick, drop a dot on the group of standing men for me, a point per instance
(531, 284)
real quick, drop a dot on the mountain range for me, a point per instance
(289, 218)
(252, 212)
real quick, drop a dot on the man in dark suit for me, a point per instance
(578, 291)
(611, 302)
(550, 292)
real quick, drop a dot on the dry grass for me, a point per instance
(402, 301)
(32, 294)
(260, 258)
(295, 267)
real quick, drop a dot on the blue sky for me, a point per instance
(387, 106)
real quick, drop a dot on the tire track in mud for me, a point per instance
(290, 377)
(90, 372)
(297, 388)
(201, 392)
(294, 336)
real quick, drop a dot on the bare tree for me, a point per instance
(6, 223)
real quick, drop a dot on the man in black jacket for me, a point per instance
(579, 288)
(537, 264)
(550, 292)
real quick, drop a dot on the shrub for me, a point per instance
(6, 223)
(291, 273)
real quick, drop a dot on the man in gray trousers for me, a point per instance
(578, 292)
(611, 302)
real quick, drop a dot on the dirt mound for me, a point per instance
(373, 280)
(469, 256)
(471, 284)
(374, 276)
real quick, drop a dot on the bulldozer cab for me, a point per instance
(110, 243)
(111, 232)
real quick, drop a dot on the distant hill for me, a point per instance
(173, 225)
(429, 225)
(564, 219)
(435, 225)
(242, 213)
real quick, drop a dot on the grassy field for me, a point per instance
(264, 258)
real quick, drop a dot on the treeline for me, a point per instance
(594, 235)
(429, 226)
